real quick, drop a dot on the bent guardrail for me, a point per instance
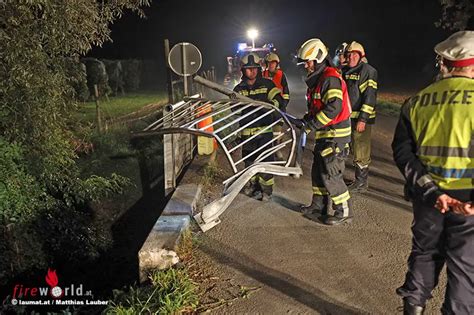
(229, 119)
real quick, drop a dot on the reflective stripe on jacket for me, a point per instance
(434, 139)
(329, 104)
(280, 81)
(362, 87)
(317, 100)
(263, 90)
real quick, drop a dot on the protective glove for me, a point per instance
(309, 123)
(307, 118)
(332, 165)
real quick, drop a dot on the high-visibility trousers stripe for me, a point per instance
(269, 182)
(341, 198)
(320, 191)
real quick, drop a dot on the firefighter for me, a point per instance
(329, 116)
(253, 85)
(339, 59)
(361, 81)
(274, 73)
(433, 148)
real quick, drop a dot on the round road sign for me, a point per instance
(185, 59)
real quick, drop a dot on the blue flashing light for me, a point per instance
(242, 46)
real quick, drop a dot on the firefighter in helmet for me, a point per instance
(274, 73)
(256, 87)
(339, 59)
(433, 148)
(361, 81)
(329, 117)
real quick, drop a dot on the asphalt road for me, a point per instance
(303, 267)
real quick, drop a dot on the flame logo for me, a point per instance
(51, 278)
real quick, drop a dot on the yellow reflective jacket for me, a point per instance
(434, 139)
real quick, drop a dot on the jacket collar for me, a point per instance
(313, 78)
(258, 82)
(354, 69)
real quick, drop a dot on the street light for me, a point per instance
(252, 34)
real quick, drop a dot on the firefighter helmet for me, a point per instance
(457, 50)
(356, 47)
(272, 57)
(251, 60)
(312, 49)
(341, 49)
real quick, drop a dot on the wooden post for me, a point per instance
(169, 75)
(213, 71)
(97, 109)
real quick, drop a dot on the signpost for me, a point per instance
(185, 59)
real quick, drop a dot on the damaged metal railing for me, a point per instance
(229, 119)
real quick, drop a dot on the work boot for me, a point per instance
(257, 195)
(262, 196)
(412, 309)
(250, 189)
(266, 197)
(342, 214)
(319, 205)
(337, 220)
(348, 181)
(360, 185)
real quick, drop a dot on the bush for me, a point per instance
(97, 75)
(40, 223)
(43, 200)
(18, 189)
(115, 74)
(21, 249)
(131, 74)
(77, 75)
(72, 235)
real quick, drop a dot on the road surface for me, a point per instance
(302, 267)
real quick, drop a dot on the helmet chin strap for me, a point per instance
(244, 77)
(312, 77)
(319, 66)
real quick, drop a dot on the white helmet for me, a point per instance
(457, 50)
(356, 47)
(272, 57)
(250, 60)
(312, 49)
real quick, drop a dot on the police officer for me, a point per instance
(256, 87)
(361, 81)
(274, 73)
(329, 116)
(433, 148)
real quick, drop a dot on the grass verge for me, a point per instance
(390, 104)
(211, 171)
(170, 291)
(388, 108)
(120, 105)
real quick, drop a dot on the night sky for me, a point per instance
(398, 36)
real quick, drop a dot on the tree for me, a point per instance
(39, 178)
(456, 14)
